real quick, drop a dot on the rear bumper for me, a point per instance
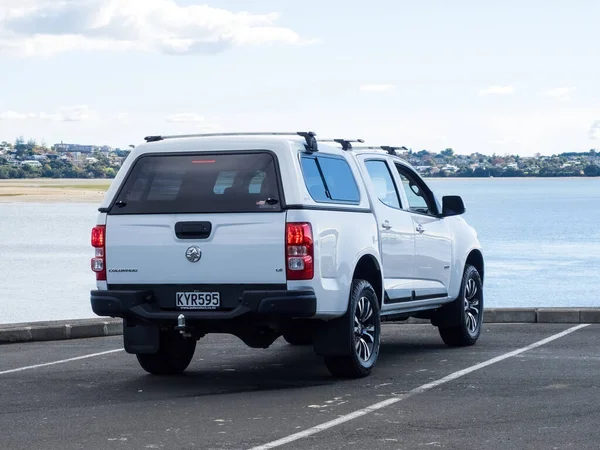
(140, 304)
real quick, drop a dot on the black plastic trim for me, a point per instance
(413, 298)
(141, 305)
(330, 208)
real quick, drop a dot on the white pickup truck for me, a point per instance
(263, 235)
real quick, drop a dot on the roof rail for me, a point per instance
(345, 143)
(309, 136)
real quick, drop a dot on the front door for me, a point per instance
(433, 243)
(396, 231)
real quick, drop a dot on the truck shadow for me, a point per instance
(238, 369)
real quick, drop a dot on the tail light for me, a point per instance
(299, 251)
(99, 260)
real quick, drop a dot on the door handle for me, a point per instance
(386, 225)
(420, 229)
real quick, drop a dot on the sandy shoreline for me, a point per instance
(53, 190)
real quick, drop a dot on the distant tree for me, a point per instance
(20, 146)
(592, 170)
(448, 152)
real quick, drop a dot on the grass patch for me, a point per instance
(98, 187)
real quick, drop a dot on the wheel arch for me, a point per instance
(475, 258)
(368, 268)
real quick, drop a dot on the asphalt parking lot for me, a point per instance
(545, 396)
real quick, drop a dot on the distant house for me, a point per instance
(32, 163)
(73, 148)
(450, 168)
(423, 169)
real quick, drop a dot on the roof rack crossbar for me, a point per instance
(345, 143)
(392, 150)
(311, 140)
(309, 136)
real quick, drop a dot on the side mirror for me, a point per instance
(452, 205)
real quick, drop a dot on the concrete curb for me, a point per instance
(88, 328)
(59, 330)
(535, 315)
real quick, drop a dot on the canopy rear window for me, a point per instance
(200, 183)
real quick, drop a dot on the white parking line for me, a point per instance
(62, 361)
(369, 409)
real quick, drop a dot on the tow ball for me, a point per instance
(181, 326)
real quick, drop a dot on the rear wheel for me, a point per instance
(466, 312)
(363, 324)
(174, 355)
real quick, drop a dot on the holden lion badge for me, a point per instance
(193, 254)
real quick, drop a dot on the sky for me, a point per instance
(502, 77)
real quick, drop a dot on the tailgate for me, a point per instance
(196, 249)
(198, 218)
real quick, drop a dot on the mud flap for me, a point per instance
(333, 338)
(141, 339)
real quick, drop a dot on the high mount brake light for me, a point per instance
(299, 251)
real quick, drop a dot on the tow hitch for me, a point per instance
(181, 326)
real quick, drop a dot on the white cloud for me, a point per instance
(13, 115)
(184, 118)
(594, 132)
(77, 113)
(563, 93)
(43, 27)
(377, 87)
(506, 141)
(497, 90)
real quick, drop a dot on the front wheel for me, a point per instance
(362, 322)
(466, 312)
(174, 355)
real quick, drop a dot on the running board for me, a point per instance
(412, 306)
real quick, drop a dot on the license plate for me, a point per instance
(197, 300)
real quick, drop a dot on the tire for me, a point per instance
(297, 335)
(363, 325)
(174, 355)
(466, 312)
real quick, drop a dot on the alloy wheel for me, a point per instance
(472, 309)
(364, 329)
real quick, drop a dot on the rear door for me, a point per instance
(396, 232)
(198, 219)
